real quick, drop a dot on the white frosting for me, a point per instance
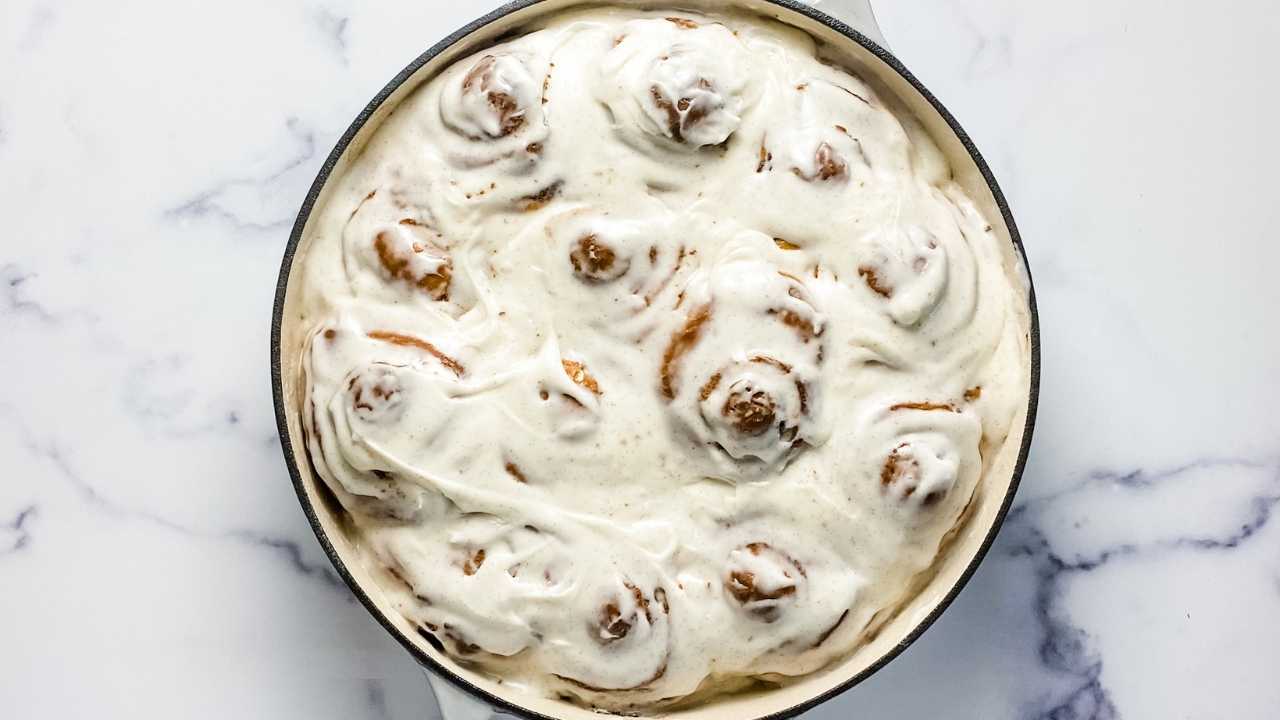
(651, 353)
(677, 85)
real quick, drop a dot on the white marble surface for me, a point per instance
(154, 562)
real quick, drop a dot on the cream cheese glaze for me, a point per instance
(650, 354)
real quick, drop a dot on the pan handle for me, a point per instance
(857, 14)
(456, 704)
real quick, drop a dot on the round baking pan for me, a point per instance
(467, 695)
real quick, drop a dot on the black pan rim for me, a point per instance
(310, 511)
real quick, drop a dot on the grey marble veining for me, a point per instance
(152, 553)
(248, 204)
(16, 532)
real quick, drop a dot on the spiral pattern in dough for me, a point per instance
(394, 249)
(754, 404)
(920, 452)
(674, 83)
(374, 403)
(908, 269)
(615, 273)
(624, 644)
(490, 122)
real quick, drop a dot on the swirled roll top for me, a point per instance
(494, 98)
(784, 588)
(616, 272)
(394, 250)
(489, 127)
(924, 452)
(497, 98)
(907, 267)
(624, 644)
(742, 372)
(362, 428)
(674, 82)
(762, 580)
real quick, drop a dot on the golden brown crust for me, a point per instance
(480, 80)
(926, 406)
(710, 386)
(681, 343)
(868, 273)
(683, 113)
(766, 360)
(473, 562)
(540, 199)
(514, 471)
(742, 586)
(895, 468)
(905, 472)
(673, 115)
(750, 413)
(435, 285)
(766, 159)
(578, 373)
(802, 390)
(829, 163)
(403, 340)
(612, 625)
(803, 326)
(595, 262)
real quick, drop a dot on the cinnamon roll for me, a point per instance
(923, 452)
(374, 402)
(836, 157)
(819, 150)
(791, 596)
(393, 248)
(495, 103)
(624, 642)
(755, 409)
(615, 273)
(741, 373)
(570, 394)
(492, 568)
(494, 98)
(491, 125)
(923, 281)
(920, 470)
(762, 580)
(674, 84)
(907, 269)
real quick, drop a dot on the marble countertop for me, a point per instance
(153, 559)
